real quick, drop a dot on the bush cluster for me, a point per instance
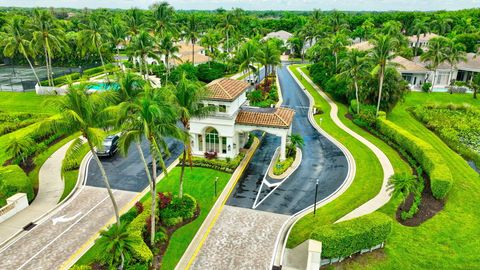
(281, 166)
(440, 176)
(346, 238)
(218, 164)
(264, 99)
(13, 180)
(210, 71)
(142, 252)
(179, 210)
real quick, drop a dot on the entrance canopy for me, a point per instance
(265, 117)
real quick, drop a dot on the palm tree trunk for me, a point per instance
(227, 44)
(193, 53)
(380, 87)
(47, 67)
(416, 44)
(49, 62)
(123, 260)
(450, 75)
(433, 79)
(184, 159)
(168, 69)
(356, 96)
(265, 82)
(34, 72)
(152, 193)
(105, 180)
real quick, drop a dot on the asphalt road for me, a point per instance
(128, 173)
(322, 160)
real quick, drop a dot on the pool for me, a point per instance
(104, 86)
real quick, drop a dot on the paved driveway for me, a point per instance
(321, 160)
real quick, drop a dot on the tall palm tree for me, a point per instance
(141, 47)
(403, 184)
(117, 244)
(92, 36)
(454, 54)
(188, 96)
(297, 44)
(47, 36)
(382, 52)
(17, 42)
(228, 25)
(354, 66)
(435, 55)
(134, 21)
(191, 32)
(163, 14)
(296, 140)
(336, 43)
(247, 56)
(169, 49)
(210, 40)
(116, 33)
(420, 26)
(19, 148)
(442, 25)
(84, 112)
(268, 56)
(152, 116)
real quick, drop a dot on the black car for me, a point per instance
(110, 146)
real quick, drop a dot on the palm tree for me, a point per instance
(169, 49)
(84, 112)
(117, 243)
(337, 21)
(420, 26)
(354, 66)
(17, 41)
(134, 21)
(210, 41)
(454, 54)
(246, 57)
(91, 38)
(475, 85)
(297, 44)
(435, 55)
(268, 55)
(382, 52)
(442, 25)
(188, 96)
(149, 115)
(296, 140)
(163, 15)
(336, 43)
(19, 148)
(403, 184)
(228, 25)
(141, 47)
(116, 33)
(47, 36)
(191, 32)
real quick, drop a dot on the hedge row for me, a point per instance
(346, 238)
(141, 252)
(440, 176)
(75, 76)
(218, 164)
(13, 180)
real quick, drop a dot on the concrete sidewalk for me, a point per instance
(50, 190)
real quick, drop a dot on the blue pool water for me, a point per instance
(104, 86)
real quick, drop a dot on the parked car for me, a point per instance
(110, 146)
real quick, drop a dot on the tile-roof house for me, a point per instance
(226, 131)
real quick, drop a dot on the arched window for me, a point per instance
(212, 140)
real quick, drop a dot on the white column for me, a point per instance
(283, 147)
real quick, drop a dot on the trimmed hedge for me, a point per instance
(13, 180)
(218, 164)
(141, 251)
(75, 76)
(440, 176)
(346, 238)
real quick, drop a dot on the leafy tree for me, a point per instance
(141, 47)
(117, 244)
(84, 112)
(20, 148)
(91, 38)
(268, 55)
(169, 49)
(297, 44)
(403, 185)
(247, 57)
(354, 66)
(436, 54)
(454, 54)
(381, 54)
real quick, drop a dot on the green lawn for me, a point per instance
(28, 102)
(199, 182)
(369, 176)
(449, 240)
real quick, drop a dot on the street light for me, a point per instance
(315, 204)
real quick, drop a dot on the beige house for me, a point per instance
(422, 41)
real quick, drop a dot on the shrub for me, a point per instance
(129, 216)
(346, 238)
(139, 207)
(81, 267)
(218, 164)
(426, 87)
(160, 236)
(164, 199)
(141, 251)
(281, 166)
(249, 142)
(178, 210)
(210, 71)
(13, 180)
(433, 163)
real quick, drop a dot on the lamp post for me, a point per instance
(216, 180)
(315, 204)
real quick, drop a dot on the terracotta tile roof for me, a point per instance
(226, 89)
(265, 117)
(408, 66)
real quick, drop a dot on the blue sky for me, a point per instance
(354, 5)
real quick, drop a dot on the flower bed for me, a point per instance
(227, 165)
(457, 125)
(281, 166)
(264, 98)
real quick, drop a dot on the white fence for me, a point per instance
(15, 204)
(49, 90)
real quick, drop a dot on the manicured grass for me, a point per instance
(199, 183)
(25, 102)
(70, 177)
(448, 240)
(368, 178)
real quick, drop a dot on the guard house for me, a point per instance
(226, 131)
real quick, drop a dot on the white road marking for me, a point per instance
(65, 219)
(60, 235)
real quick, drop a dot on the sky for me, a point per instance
(350, 5)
